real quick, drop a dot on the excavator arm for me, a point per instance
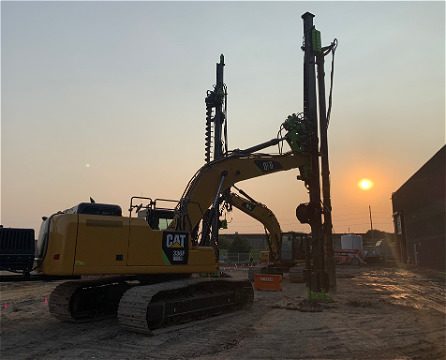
(216, 177)
(261, 213)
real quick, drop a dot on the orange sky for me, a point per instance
(120, 86)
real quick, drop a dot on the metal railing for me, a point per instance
(239, 258)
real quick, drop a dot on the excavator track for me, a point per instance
(144, 308)
(86, 300)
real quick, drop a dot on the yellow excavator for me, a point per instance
(144, 264)
(271, 261)
(144, 268)
(263, 214)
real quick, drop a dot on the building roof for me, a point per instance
(435, 166)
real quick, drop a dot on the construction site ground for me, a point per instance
(378, 312)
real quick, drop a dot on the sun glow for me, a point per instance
(365, 184)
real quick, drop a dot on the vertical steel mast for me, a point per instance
(317, 277)
(215, 142)
(215, 117)
(330, 265)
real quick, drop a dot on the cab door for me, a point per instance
(145, 245)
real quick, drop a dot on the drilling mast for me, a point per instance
(321, 274)
(216, 146)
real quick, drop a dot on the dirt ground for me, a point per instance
(377, 313)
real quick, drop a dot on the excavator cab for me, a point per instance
(158, 217)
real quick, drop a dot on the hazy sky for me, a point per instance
(106, 99)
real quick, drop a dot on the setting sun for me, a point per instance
(365, 184)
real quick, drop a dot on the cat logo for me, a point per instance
(175, 247)
(176, 241)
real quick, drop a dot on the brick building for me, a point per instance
(419, 215)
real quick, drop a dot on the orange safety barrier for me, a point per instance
(268, 282)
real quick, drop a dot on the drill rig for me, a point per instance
(145, 269)
(216, 147)
(146, 266)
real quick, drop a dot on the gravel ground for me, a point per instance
(377, 313)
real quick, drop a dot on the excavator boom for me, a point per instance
(218, 176)
(261, 213)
